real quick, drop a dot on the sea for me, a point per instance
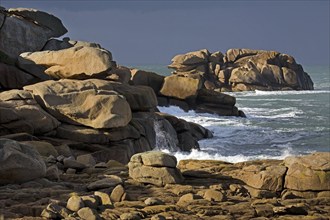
(278, 123)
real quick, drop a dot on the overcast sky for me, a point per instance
(152, 32)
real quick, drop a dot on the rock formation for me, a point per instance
(154, 167)
(242, 70)
(31, 28)
(78, 62)
(70, 117)
(72, 93)
(186, 92)
(198, 190)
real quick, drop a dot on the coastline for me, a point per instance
(210, 190)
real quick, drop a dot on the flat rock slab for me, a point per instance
(311, 172)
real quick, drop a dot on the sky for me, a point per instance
(151, 32)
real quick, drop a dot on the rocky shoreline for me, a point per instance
(77, 132)
(293, 188)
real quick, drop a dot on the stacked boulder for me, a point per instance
(188, 93)
(23, 30)
(156, 168)
(73, 99)
(31, 28)
(242, 70)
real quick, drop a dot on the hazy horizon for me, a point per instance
(152, 32)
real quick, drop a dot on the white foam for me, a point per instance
(272, 113)
(202, 155)
(271, 93)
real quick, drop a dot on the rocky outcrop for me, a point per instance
(19, 163)
(308, 173)
(145, 78)
(92, 103)
(155, 168)
(180, 87)
(19, 112)
(187, 92)
(186, 134)
(31, 28)
(242, 70)
(210, 190)
(78, 62)
(295, 177)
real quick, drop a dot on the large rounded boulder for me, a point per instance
(78, 62)
(92, 103)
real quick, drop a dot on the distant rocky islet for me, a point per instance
(70, 117)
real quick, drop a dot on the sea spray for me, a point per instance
(166, 138)
(278, 124)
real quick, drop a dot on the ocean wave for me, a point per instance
(203, 155)
(271, 113)
(271, 93)
(268, 99)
